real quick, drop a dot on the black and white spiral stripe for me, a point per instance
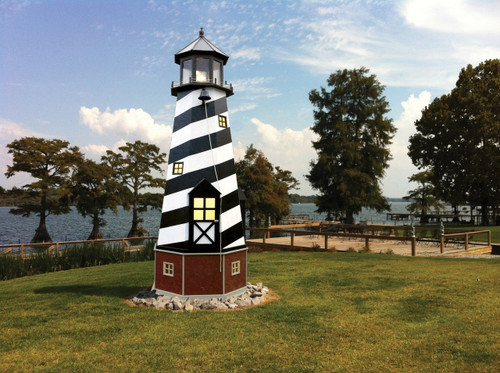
(192, 146)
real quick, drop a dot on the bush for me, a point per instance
(76, 256)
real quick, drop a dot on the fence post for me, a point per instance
(22, 251)
(292, 238)
(326, 241)
(264, 237)
(441, 237)
(413, 239)
(367, 243)
(57, 248)
(123, 242)
(466, 241)
(489, 238)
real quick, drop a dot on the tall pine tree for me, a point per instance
(354, 136)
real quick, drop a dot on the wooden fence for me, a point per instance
(403, 234)
(55, 247)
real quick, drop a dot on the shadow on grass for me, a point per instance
(107, 291)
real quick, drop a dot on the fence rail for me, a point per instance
(55, 247)
(403, 234)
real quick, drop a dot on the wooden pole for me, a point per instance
(57, 248)
(22, 251)
(367, 243)
(292, 238)
(442, 244)
(466, 241)
(326, 241)
(489, 238)
(413, 246)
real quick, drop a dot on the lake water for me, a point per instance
(72, 226)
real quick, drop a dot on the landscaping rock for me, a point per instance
(253, 296)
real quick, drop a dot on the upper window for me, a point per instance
(204, 209)
(202, 69)
(178, 168)
(222, 121)
(217, 72)
(187, 71)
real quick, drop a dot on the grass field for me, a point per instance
(337, 312)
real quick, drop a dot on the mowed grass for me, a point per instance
(337, 312)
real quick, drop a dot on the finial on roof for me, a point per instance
(201, 31)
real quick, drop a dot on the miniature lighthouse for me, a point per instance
(201, 250)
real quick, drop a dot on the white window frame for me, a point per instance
(234, 265)
(168, 271)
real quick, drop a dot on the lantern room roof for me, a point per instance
(201, 45)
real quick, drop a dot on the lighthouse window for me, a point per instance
(222, 121)
(187, 70)
(168, 269)
(204, 209)
(217, 72)
(202, 69)
(235, 268)
(178, 168)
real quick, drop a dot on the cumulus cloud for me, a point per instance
(134, 124)
(291, 150)
(401, 167)
(10, 131)
(455, 17)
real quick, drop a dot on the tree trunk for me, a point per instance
(96, 233)
(41, 233)
(349, 217)
(456, 219)
(135, 230)
(484, 214)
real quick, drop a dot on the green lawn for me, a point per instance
(337, 312)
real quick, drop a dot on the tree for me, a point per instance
(50, 162)
(458, 139)
(94, 190)
(265, 186)
(354, 135)
(423, 198)
(133, 167)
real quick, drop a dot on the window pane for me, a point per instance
(217, 72)
(187, 68)
(198, 214)
(210, 203)
(198, 203)
(202, 72)
(209, 214)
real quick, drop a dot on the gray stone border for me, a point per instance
(253, 296)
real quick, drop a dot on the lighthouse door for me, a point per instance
(204, 227)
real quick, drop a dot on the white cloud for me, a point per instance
(10, 131)
(454, 17)
(244, 107)
(134, 124)
(246, 54)
(401, 167)
(254, 88)
(95, 151)
(291, 150)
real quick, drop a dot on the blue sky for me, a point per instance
(98, 73)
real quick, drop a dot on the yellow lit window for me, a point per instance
(204, 209)
(168, 269)
(178, 168)
(235, 268)
(222, 121)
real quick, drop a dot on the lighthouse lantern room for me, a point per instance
(201, 250)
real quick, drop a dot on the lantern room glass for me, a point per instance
(187, 71)
(217, 72)
(202, 69)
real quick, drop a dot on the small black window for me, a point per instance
(222, 121)
(178, 168)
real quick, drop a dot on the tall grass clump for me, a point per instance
(75, 256)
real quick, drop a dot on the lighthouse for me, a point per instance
(201, 250)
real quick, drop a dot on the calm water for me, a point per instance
(72, 226)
